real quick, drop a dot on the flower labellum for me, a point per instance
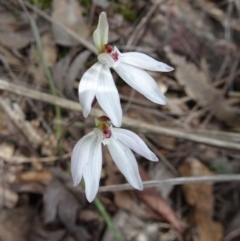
(86, 160)
(98, 81)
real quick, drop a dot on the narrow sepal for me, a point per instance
(126, 162)
(88, 86)
(141, 81)
(92, 170)
(144, 61)
(100, 35)
(81, 154)
(134, 142)
(108, 97)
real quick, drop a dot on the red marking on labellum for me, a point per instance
(106, 131)
(115, 56)
(109, 49)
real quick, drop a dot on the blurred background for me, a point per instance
(46, 46)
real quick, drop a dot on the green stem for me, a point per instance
(50, 81)
(105, 216)
(107, 219)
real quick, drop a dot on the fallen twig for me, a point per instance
(174, 181)
(21, 159)
(190, 135)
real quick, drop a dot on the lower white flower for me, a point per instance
(86, 158)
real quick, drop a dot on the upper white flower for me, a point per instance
(86, 160)
(98, 81)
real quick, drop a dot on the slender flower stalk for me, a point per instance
(98, 81)
(86, 158)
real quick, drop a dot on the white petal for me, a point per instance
(88, 86)
(92, 170)
(144, 61)
(81, 154)
(126, 162)
(134, 142)
(106, 59)
(100, 35)
(108, 97)
(141, 81)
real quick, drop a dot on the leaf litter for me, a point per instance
(192, 37)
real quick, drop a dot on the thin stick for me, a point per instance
(21, 159)
(190, 135)
(174, 181)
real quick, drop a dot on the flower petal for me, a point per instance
(134, 142)
(92, 170)
(126, 162)
(108, 97)
(88, 86)
(81, 154)
(100, 35)
(106, 59)
(141, 81)
(144, 61)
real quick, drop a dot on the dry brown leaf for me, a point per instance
(49, 145)
(8, 198)
(90, 216)
(49, 49)
(62, 204)
(35, 67)
(200, 196)
(35, 176)
(128, 225)
(68, 13)
(11, 35)
(161, 171)
(217, 13)
(60, 70)
(194, 80)
(38, 74)
(193, 19)
(157, 203)
(199, 89)
(15, 224)
(13, 40)
(6, 150)
(74, 72)
(18, 119)
(124, 200)
(11, 58)
(7, 19)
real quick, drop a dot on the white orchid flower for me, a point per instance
(86, 160)
(98, 81)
